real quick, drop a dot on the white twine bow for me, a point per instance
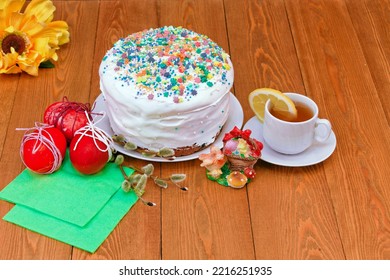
(35, 133)
(97, 134)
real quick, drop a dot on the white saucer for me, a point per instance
(314, 154)
(235, 118)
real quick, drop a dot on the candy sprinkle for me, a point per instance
(169, 62)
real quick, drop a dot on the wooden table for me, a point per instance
(335, 51)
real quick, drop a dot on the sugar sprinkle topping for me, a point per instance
(168, 62)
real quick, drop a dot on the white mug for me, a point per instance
(294, 137)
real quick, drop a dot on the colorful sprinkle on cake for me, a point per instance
(169, 62)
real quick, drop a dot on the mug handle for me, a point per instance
(328, 127)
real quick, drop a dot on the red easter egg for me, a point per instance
(67, 116)
(43, 150)
(71, 121)
(85, 154)
(52, 112)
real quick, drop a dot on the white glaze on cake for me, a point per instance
(166, 87)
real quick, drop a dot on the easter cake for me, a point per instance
(167, 88)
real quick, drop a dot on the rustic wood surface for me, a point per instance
(334, 51)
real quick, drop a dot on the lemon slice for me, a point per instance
(280, 103)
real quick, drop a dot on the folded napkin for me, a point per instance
(80, 210)
(87, 238)
(66, 194)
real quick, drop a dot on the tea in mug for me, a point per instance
(304, 113)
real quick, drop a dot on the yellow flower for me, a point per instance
(30, 38)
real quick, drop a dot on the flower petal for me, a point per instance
(54, 57)
(10, 6)
(31, 69)
(29, 63)
(2, 20)
(42, 9)
(41, 45)
(15, 20)
(6, 8)
(11, 70)
(215, 173)
(62, 28)
(56, 32)
(31, 26)
(10, 29)
(8, 63)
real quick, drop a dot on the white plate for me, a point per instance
(235, 118)
(314, 154)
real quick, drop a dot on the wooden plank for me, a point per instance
(32, 96)
(8, 87)
(209, 221)
(138, 235)
(291, 210)
(371, 20)
(336, 76)
(261, 48)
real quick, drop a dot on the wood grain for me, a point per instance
(325, 42)
(370, 20)
(9, 85)
(334, 51)
(291, 210)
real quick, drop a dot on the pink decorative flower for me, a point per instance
(213, 161)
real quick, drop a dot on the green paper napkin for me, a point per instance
(66, 194)
(89, 237)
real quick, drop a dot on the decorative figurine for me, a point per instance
(233, 166)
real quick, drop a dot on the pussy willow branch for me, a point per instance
(148, 203)
(155, 177)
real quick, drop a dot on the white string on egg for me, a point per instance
(35, 133)
(97, 134)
